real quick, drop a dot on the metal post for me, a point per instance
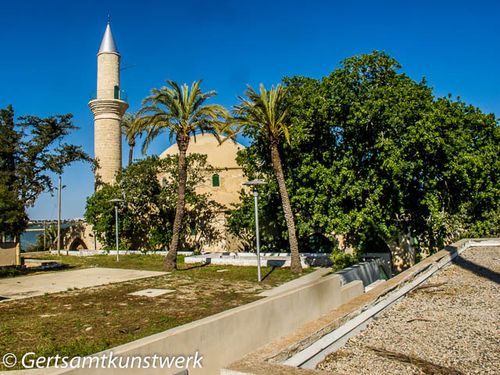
(255, 184)
(59, 217)
(116, 227)
(257, 234)
(116, 201)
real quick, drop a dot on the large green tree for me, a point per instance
(376, 157)
(149, 188)
(31, 151)
(264, 115)
(182, 112)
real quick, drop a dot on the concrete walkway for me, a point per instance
(54, 282)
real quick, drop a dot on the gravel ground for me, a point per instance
(449, 325)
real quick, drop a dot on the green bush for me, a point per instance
(342, 260)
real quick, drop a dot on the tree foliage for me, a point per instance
(131, 132)
(376, 157)
(47, 240)
(183, 111)
(31, 150)
(149, 189)
(265, 114)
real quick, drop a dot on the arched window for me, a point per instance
(215, 180)
(117, 92)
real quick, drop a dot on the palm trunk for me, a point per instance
(130, 153)
(295, 265)
(171, 258)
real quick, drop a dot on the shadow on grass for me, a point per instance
(14, 271)
(269, 273)
(196, 266)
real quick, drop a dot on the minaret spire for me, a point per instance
(108, 44)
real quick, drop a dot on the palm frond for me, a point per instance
(182, 110)
(265, 110)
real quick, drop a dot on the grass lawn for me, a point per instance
(85, 321)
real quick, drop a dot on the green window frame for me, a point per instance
(215, 180)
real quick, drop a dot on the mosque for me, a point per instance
(109, 107)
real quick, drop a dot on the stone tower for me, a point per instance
(108, 109)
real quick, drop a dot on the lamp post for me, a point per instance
(59, 216)
(116, 202)
(59, 194)
(254, 184)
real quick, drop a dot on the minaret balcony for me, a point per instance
(108, 108)
(109, 94)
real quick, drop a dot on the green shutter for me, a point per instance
(215, 180)
(117, 92)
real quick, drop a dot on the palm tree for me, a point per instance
(181, 111)
(131, 131)
(267, 112)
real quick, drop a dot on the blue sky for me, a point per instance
(48, 53)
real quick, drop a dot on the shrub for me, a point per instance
(342, 260)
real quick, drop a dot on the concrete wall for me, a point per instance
(8, 254)
(351, 290)
(367, 272)
(385, 260)
(269, 359)
(227, 336)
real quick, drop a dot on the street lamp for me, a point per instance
(255, 184)
(59, 193)
(116, 202)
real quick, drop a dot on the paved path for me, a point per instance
(54, 282)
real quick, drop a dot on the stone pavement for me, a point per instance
(54, 282)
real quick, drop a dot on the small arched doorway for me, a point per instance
(78, 244)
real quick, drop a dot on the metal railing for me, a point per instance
(110, 94)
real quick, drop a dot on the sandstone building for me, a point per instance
(223, 186)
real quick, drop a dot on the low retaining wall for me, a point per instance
(266, 259)
(227, 336)
(8, 254)
(351, 290)
(91, 253)
(367, 272)
(274, 357)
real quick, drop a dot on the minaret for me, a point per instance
(108, 109)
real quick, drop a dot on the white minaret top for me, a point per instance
(108, 44)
